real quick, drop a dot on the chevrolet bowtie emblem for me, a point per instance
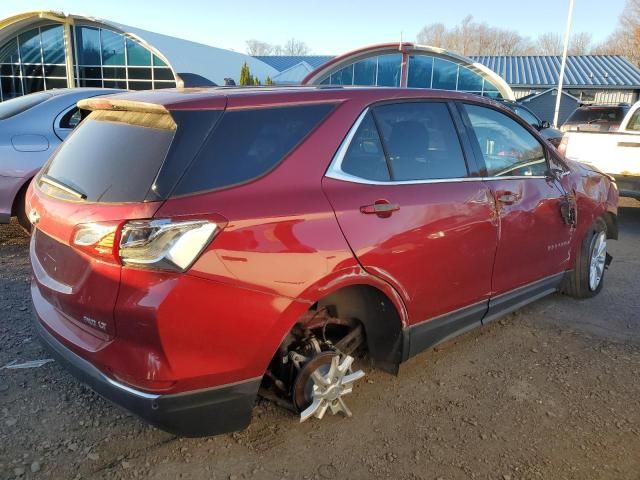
(34, 216)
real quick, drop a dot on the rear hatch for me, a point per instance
(105, 173)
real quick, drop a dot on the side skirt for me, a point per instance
(430, 333)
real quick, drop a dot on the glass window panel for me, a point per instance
(53, 44)
(365, 156)
(389, 70)
(445, 74)
(84, 82)
(33, 85)
(137, 54)
(115, 84)
(365, 72)
(421, 141)
(90, 72)
(507, 147)
(158, 62)
(32, 70)
(159, 85)
(88, 45)
(163, 74)
(140, 73)
(30, 46)
(112, 48)
(114, 72)
(9, 52)
(140, 86)
(56, 83)
(10, 70)
(420, 70)
(469, 81)
(11, 87)
(326, 80)
(55, 71)
(343, 76)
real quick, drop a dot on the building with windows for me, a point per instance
(44, 50)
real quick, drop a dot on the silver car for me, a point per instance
(31, 128)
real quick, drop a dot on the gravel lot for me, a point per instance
(551, 392)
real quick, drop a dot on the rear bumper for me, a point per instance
(212, 411)
(628, 185)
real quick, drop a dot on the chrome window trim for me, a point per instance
(335, 167)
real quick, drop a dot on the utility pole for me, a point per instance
(567, 36)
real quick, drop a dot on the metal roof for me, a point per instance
(583, 71)
(283, 62)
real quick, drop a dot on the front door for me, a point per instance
(401, 191)
(534, 236)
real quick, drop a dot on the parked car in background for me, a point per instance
(596, 118)
(616, 153)
(31, 128)
(193, 246)
(549, 133)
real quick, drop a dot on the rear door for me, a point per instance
(534, 237)
(412, 213)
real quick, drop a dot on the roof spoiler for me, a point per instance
(102, 103)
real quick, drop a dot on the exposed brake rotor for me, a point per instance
(321, 384)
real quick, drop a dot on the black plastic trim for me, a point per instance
(212, 411)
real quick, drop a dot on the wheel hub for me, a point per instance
(598, 261)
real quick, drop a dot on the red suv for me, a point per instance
(194, 247)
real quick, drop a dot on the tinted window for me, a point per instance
(365, 156)
(15, 106)
(247, 143)
(420, 71)
(507, 147)
(527, 116)
(421, 141)
(113, 156)
(598, 115)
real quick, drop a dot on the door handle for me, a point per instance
(382, 208)
(507, 198)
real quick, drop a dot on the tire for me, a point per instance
(581, 282)
(20, 213)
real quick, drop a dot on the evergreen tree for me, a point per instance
(245, 75)
(268, 81)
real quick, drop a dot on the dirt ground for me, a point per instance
(550, 392)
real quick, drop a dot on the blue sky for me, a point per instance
(328, 26)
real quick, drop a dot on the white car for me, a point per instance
(614, 153)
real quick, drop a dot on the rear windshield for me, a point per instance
(598, 115)
(112, 156)
(13, 107)
(247, 144)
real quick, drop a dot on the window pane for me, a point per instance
(32, 70)
(83, 82)
(114, 72)
(421, 140)
(163, 74)
(56, 83)
(9, 52)
(157, 62)
(10, 70)
(469, 81)
(507, 147)
(140, 85)
(90, 72)
(389, 70)
(445, 74)
(365, 156)
(30, 46)
(634, 121)
(53, 44)
(88, 45)
(112, 48)
(247, 144)
(365, 72)
(33, 85)
(343, 76)
(420, 70)
(137, 54)
(11, 87)
(527, 116)
(140, 73)
(159, 85)
(55, 71)
(115, 84)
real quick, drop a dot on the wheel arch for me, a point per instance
(611, 220)
(20, 194)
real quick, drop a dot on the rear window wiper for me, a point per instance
(61, 186)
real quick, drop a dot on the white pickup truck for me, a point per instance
(615, 153)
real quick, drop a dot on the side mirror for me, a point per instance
(545, 124)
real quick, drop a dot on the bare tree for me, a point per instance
(295, 47)
(257, 47)
(433, 35)
(549, 44)
(580, 44)
(626, 39)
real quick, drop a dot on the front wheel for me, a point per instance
(587, 278)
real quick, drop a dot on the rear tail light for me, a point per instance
(562, 148)
(161, 244)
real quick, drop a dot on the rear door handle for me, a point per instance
(507, 198)
(382, 208)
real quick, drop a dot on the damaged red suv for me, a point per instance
(194, 248)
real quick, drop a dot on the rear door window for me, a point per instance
(365, 157)
(507, 148)
(112, 156)
(246, 144)
(421, 141)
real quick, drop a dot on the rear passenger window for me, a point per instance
(365, 156)
(247, 144)
(421, 141)
(508, 149)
